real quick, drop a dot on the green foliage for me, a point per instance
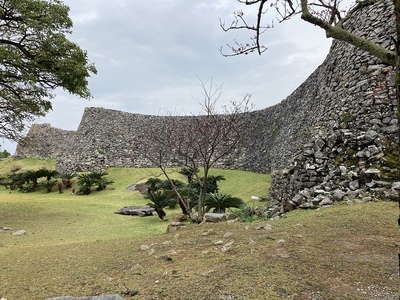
(88, 180)
(247, 214)
(4, 154)
(49, 184)
(220, 202)
(85, 183)
(159, 200)
(168, 185)
(36, 58)
(276, 129)
(154, 183)
(28, 181)
(189, 172)
(66, 179)
(211, 183)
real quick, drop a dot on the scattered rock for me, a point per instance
(218, 217)
(19, 233)
(266, 227)
(3, 229)
(145, 247)
(141, 211)
(166, 258)
(227, 234)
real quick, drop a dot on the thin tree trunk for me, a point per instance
(397, 83)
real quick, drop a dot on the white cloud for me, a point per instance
(149, 52)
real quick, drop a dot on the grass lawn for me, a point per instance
(76, 245)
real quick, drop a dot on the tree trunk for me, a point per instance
(397, 83)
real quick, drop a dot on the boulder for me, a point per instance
(219, 217)
(141, 211)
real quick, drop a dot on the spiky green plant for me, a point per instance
(153, 183)
(159, 200)
(66, 179)
(49, 184)
(220, 202)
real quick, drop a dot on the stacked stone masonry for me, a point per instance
(334, 138)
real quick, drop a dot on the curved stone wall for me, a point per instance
(333, 137)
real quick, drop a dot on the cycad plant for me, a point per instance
(85, 183)
(159, 200)
(66, 179)
(100, 180)
(220, 202)
(49, 184)
(153, 183)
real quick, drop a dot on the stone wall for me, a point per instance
(352, 152)
(334, 137)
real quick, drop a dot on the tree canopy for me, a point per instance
(36, 58)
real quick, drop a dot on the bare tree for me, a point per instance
(199, 141)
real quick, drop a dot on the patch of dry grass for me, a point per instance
(341, 252)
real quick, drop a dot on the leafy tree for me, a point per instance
(4, 154)
(36, 58)
(220, 202)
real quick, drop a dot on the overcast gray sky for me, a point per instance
(148, 54)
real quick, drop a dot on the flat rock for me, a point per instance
(19, 232)
(216, 217)
(141, 211)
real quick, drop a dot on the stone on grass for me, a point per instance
(19, 233)
(141, 211)
(219, 217)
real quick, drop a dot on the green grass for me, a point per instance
(53, 218)
(76, 245)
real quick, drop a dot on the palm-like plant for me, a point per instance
(50, 174)
(49, 184)
(32, 176)
(220, 202)
(66, 179)
(168, 184)
(100, 179)
(189, 172)
(153, 183)
(159, 200)
(85, 183)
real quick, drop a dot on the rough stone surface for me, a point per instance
(141, 211)
(329, 139)
(219, 217)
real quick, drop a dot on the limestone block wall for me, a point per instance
(334, 137)
(45, 141)
(352, 152)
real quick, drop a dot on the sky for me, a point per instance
(151, 54)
